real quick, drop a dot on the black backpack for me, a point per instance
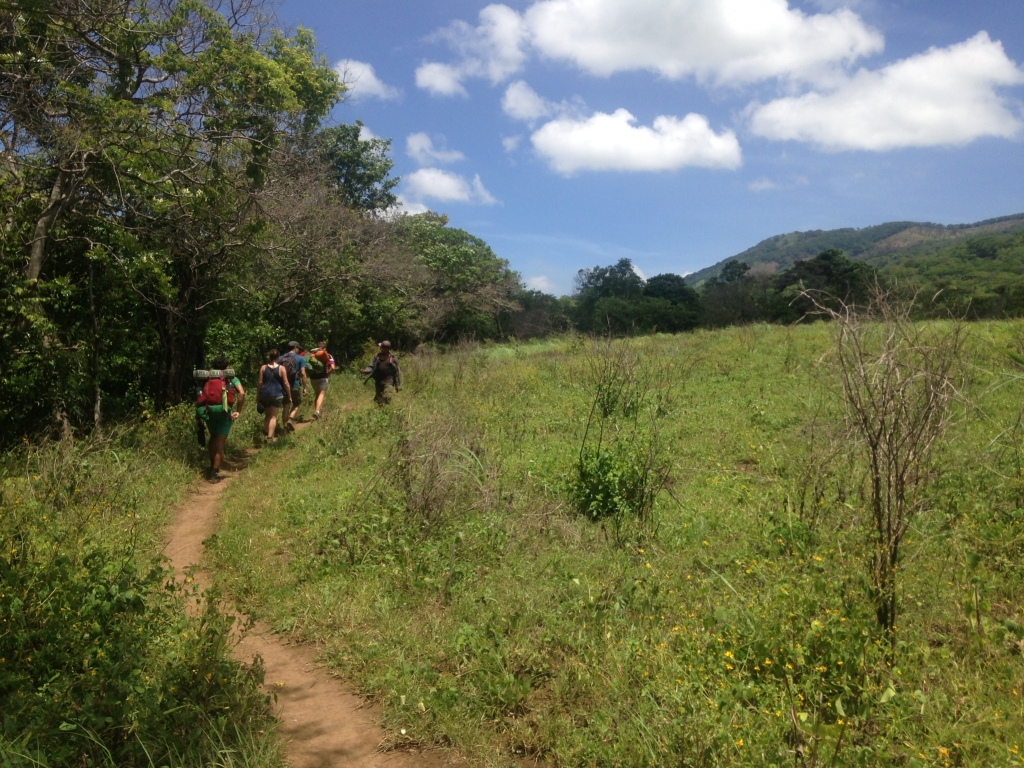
(291, 366)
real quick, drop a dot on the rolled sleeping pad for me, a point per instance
(202, 375)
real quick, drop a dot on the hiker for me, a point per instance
(274, 390)
(387, 378)
(219, 403)
(320, 365)
(295, 364)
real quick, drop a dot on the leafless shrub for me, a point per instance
(898, 380)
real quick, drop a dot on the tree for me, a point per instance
(359, 167)
(135, 137)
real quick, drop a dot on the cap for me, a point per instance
(293, 345)
(385, 345)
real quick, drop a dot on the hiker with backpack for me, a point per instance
(295, 366)
(218, 404)
(274, 391)
(387, 378)
(320, 365)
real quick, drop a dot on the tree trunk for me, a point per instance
(97, 405)
(58, 197)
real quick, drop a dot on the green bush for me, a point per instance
(102, 662)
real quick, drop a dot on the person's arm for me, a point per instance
(286, 385)
(304, 379)
(239, 399)
(259, 379)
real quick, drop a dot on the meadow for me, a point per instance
(476, 560)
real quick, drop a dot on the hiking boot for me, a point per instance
(316, 415)
(289, 427)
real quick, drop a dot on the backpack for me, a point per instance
(291, 366)
(217, 395)
(317, 366)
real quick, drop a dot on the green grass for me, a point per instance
(435, 553)
(100, 664)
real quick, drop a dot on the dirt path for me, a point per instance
(323, 725)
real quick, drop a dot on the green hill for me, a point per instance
(884, 245)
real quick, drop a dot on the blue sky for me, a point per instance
(571, 133)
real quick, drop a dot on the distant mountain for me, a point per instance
(882, 245)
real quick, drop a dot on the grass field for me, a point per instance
(437, 552)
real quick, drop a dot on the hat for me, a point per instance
(385, 345)
(293, 345)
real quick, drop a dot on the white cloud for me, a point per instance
(420, 147)
(639, 272)
(436, 184)
(540, 283)
(523, 103)
(440, 79)
(762, 185)
(365, 134)
(362, 80)
(722, 41)
(408, 206)
(511, 143)
(718, 41)
(614, 142)
(945, 96)
(493, 49)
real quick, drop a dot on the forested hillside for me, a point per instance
(881, 244)
(172, 189)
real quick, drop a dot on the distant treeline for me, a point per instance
(980, 278)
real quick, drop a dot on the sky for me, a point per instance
(677, 133)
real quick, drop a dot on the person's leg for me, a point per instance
(217, 444)
(296, 403)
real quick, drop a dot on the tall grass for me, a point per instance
(436, 551)
(100, 663)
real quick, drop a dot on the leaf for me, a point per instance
(887, 695)
(839, 707)
(67, 726)
(1014, 356)
(973, 560)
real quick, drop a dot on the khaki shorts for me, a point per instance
(320, 385)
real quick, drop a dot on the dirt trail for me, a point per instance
(323, 725)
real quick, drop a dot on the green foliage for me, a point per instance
(359, 168)
(101, 660)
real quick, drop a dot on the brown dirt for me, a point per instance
(323, 725)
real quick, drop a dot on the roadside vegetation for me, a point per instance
(663, 550)
(104, 659)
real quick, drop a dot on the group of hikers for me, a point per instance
(282, 384)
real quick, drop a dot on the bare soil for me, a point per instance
(323, 724)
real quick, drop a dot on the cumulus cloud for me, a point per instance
(719, 41)
(523, 103)
(493, 49)
(362, 80)
(945, 96)
(511, 143)
(440, 79)
(540, 283)
(614, 142)
(365, 134)
(420, 147)
(447, 187)
(407, 206)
